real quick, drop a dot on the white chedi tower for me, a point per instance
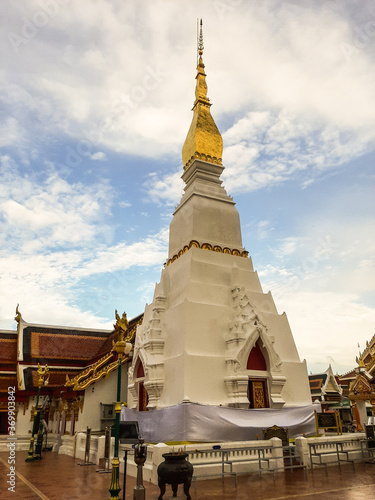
(211, 335)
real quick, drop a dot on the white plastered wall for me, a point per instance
(104, 391)
(200, 303)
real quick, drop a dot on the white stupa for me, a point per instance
(211, 335)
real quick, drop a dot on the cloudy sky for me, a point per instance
(96, 101)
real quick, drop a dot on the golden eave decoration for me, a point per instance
(207, 246)
(102, 367)
(360, 389)
(203, 140)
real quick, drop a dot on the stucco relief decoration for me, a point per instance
(149, 350)
(244, 330)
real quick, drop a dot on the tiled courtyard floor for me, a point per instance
(58, 477)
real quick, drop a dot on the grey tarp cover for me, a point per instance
(196, 422)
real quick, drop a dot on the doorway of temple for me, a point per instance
(142, 391)
(257, 393)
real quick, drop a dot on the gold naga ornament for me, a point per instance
(203, 141)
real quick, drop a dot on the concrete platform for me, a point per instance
(59, 477)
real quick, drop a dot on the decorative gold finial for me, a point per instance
(43, 375)
(121, 328)
(200, 39)
(360, 362)
(18, 316)
(203, 140)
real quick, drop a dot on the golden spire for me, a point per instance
(203, 140)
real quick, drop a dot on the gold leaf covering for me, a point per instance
(203, 140)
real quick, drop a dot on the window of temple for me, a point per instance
(258, 388)
(141, 390)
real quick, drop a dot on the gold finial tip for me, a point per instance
(200, 39)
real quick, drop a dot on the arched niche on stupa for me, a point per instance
(250, 347)
(137, 378)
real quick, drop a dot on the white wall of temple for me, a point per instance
(24, 418)
(103, 391)
(24, 423)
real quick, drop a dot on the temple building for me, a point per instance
(359, 385)
(325, 389)
(81, 389)
(211, 335)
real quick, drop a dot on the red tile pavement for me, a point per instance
(59, 477)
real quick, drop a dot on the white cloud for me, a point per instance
(45, 283)
(263, 228)
(45, 209)
(321, 280)
(148, 252)
(264, 149)
(125, 204)
(54, 235)
(127, 90)
(168, 189)
(98, 156)
(328, 324)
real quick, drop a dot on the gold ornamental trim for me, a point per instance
(203, 157)
(100, 368)
(90, 370)
(368, 396)
(370, 364)
(96, 376)
(207, 246)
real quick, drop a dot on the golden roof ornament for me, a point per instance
(203, 140)
(121, 326)
(18, 316)
(122, 346)
(43, 375)
(360, 361)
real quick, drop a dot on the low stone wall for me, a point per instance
(325, 443)
(23, 441)
(97, 447)
(246, 460)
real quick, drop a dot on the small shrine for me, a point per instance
(325, 389)
(362, 390)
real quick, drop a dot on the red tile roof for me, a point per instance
(8, 348)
